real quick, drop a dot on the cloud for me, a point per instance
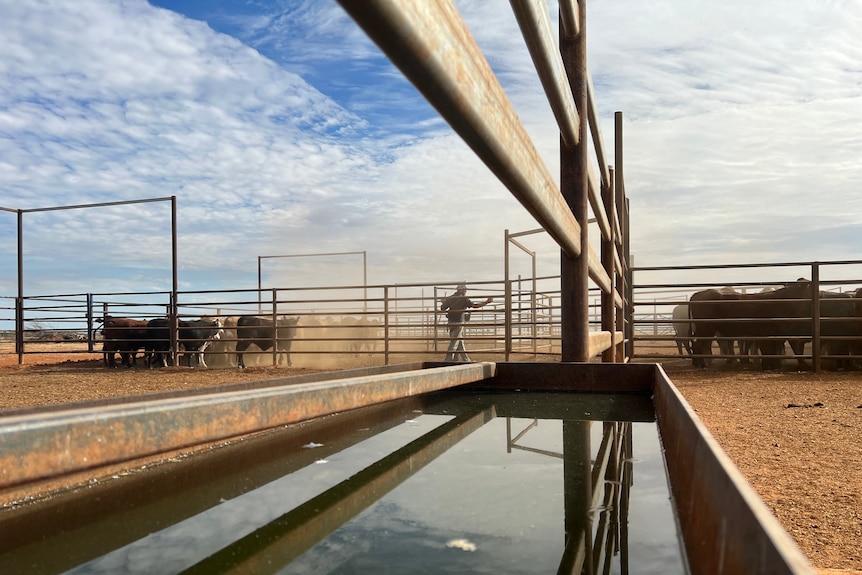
(280, 128)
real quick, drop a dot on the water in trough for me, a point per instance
(449, 483)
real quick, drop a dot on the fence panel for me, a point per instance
(825, 329)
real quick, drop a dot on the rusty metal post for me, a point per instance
(274, 327)
(174, 312)
(507, 304)
(574, 185)
(507, 317)
(627, 289)
(815, 317)
(608, 247)
(19, 301)
(386, 325)
(90, 334)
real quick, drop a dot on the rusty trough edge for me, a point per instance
(37, 446)
(726, 526)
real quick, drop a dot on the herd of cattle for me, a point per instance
(762, 323)
(232, 336)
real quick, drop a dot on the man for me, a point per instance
(456, 306)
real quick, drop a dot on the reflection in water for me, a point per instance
(494, 483)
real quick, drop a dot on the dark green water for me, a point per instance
(508, 483)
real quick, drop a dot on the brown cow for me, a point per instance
(759, 316)
(124, 336)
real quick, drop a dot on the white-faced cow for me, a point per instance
(196, 335)
(251, 329)
(193, 338)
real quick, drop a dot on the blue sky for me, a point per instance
(281, 129)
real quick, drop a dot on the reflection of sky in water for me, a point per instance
(186, 543)
(509, 505)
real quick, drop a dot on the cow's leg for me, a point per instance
(725, 347)
(798, 348)
(286, 350)
(241, 346)
(108, 355)
(701, 344)
(771, 347)
(200, 355)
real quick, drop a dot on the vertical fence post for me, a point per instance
(90, 333)
(815, 317)
(629, 281)
(174, 322)
(174, 312)
(574, 271)
(436, 320)
(19, 301)
(608, 247)
(507, 318)
(274, 316)
(386, 324)
(624, 279)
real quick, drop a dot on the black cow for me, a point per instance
(839, 329)
(195, 335)
(158, 341)
(762, 317)
(251, 329)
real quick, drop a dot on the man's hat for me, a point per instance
(461, 286)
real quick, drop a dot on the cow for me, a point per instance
(360, 334)
(749, 317)
(158, 341)
(839, 329)
(124, 336)
(725, 346)
(682, 328)
(252, 329)
(193, 338)
(196, 335)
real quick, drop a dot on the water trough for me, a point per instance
(156, 477)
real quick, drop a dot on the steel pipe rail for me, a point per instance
(41, 446)
(532, 16)
(434, 49)
(569, 10)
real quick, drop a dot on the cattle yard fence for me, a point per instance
(371, 325)
(829, 332)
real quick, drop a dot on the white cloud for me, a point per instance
(294, 135)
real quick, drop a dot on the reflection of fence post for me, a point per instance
(577, 495)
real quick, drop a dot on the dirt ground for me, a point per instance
(794, 435)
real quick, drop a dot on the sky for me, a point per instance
(282, 130)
